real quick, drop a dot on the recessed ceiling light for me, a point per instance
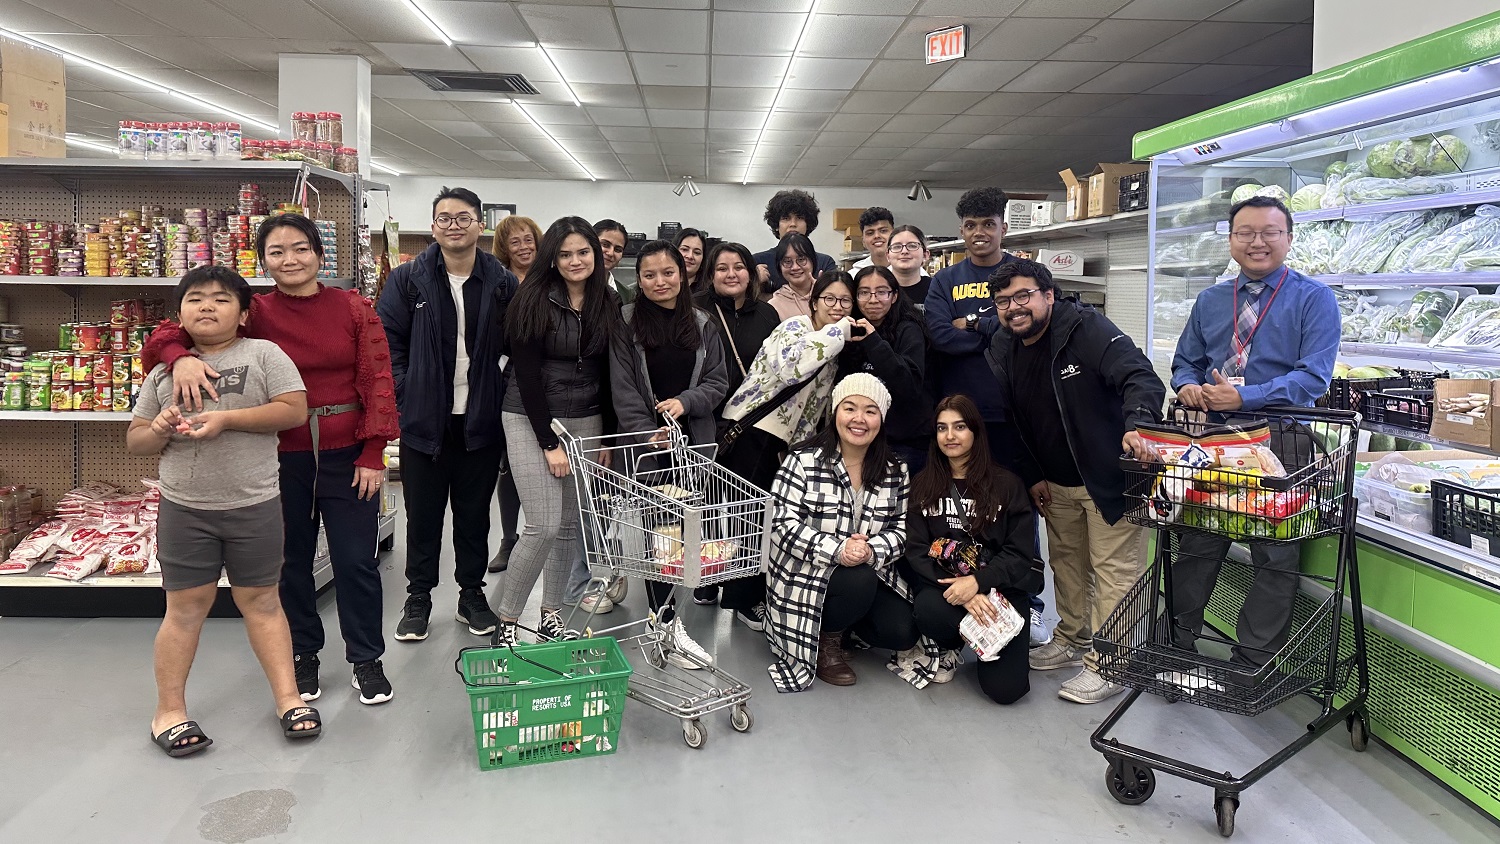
(731, 151)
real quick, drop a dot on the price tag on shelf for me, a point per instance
(1480, 543)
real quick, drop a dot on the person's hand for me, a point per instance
(763, 273)
(606, 458)
(671, 407)
(960, 590)
(1221, 395)
(981, 610)
(1136, 447)
(962, 323)
(205, 426)
(863, 323)
(368, 481)
(661, 439)
(557, 462)
(856, 551)
(191, 376)
(1041, 495)
(168, 422)
(1191, 395)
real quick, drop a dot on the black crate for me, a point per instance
(668, 231)
(1349, 393)
(1135, 200)
(633, 243)
(1408, 409)
(1135, 182)
(1467, 517)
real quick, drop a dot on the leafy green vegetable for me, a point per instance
(1308, 198)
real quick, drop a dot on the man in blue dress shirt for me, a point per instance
(1267, 338)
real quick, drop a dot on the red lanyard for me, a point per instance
(1241, 345)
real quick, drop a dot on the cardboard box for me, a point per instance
(33, 82)
(845, 218)
(1077, 205)
(1104, 186)
(1465, 428)
(853, 240)
(1047, 213)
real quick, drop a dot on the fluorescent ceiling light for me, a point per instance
(222, 110)
(78, 141)
(384, 169)
(801, 34)
(431, 24)
(557, 70)
(543, 130)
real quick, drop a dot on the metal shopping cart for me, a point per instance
(1141, 646)
(665, 511)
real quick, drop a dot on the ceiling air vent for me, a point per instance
(488, 83)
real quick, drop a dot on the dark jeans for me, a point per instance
(857, 600)
(428, 485)
(756, 457)
(510, 503)
(352, 529)
(1005, 679)
(1266, 618)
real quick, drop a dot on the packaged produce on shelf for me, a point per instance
(1333, 196)
(1483, 332)
(1369, 243)
(1421, 156)
(1469, 311)
(1399, 260)
(1369, 189)
(96, 526)
(1428, 312)
(1335, 170)
(1316, 244)
(1442, 253)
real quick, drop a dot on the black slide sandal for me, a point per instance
(296, 716)
(169, 737)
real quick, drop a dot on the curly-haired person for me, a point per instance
(789, 211)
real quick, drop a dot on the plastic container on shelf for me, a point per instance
(323, 154)
(233, 140)
(132, 139)
(346, 160)
(305, 126)
(331, 128)
(1410, 510)
(156, 141)
(177, 141)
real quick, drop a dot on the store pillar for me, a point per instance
(328, 83)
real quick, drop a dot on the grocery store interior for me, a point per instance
(140, 138)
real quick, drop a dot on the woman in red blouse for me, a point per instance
(331, 468)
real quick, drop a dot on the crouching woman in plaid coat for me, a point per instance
(839, 511)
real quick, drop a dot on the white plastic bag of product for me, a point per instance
(35, 548)
(76, 567)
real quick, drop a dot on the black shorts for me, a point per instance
(194, 546)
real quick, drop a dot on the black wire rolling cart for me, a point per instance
(1141, 647)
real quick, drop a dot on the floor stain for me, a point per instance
(247, 816)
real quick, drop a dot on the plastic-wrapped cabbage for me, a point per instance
(1308, 198)
(1469, 310)
(1446, 154)
(1427, 313)
(1369, 189)
(1333, 197)
(1350, 302)
(1384, 325)
(1275, 191)
(1382, 160)
(1335, 170)
(1400, 257)
(1370, 242)
(1244, 192)
(1315, 246)
(1441, 253)
(1410, 156)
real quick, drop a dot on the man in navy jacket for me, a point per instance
(444, 316)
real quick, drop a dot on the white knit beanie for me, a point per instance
(863, 384)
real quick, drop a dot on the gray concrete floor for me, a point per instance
(876, 762)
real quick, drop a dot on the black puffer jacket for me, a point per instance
(554, 377)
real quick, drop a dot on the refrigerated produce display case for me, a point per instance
(1391, 165)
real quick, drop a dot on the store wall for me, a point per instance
(1345, 30)
(730, 211)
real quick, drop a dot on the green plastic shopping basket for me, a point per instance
(545, 702)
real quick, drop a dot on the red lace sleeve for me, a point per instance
(378, 422)
(168, 341)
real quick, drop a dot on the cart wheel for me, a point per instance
(694, 733)
(1359, 732)
(1224, 811)
(741, 719)
(617, 589)
(654, 655)
(1129, 783)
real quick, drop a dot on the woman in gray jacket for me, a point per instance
(667, 361)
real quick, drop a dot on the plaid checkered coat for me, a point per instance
(813, 513)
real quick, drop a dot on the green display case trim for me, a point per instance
(1455, 47)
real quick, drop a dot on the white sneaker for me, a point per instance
(1041, 634)
(596, 603)
(947, 667)
(1054, 655)
(680, 646)
(1087, 686)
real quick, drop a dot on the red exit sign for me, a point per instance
(947, 44)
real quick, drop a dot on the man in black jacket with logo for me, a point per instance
(444, 316)
(1077, 386)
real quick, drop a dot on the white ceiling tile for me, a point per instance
(490, 24)
(627, 134)
(564, 27)
(676, 117)
(634, 160)
(592, 66)
(106, 51)
(795, 120)
(1069, 8)
(579, 146)
(789, 137)
(974, 75)
(427, 56)
(664, 31)
(741, 99)
(527, 61)
(1056, 76)
(461, 130)
(1206, 79)
(200, 19)
(491, 112)
(1162, 10)
(1204, 42)
(755, 33)
(1288, 11)
(633, 147)
(971, 8)
(1118, 40)
(1010, 103)
(1028, 38)
(991, 142)
(826, 74)
(895, 75)
(675, 96)
(863, 123)
(674, 151)
(503, 155)
(610, 96)
(896, 139)
(811, 100)
(876, 102)
(425, 109)
(749, 71)
(849, 7)
(840, 139)
(1132, 77)
(947, 103)
(550, 114)
(186, 53)
(102, 17)
(736, 119)
(1292, 46)
(976, 124)
(680, 135)
(731, 137)
(849, 36)
(575, 131)
(1074, 105)
(670, 69)
(619, 116)
(911, 123)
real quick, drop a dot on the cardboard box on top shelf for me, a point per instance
(852, 235)
(846, 218)
(33, 83)
(1458, 419)
(1104, 186)
(1077, 204)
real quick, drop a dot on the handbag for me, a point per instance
(737, 429)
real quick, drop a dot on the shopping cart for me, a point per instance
(1140, 646)
(665, 511)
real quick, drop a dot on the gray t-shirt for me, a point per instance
(236, 468)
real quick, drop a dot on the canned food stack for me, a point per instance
(328, 233)
(41, 247)
(175, 248)
(70, 263)
(12, 248)
(147, 250)
(252, 201)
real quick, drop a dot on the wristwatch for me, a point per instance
(971, 322)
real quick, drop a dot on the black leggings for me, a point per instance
(1005, 679)
(755, 457)
(657, 594)
(857, 600)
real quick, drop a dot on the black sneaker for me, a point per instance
(413, 624)
(474, 610)
(369, 679)
(550, 628)
(306, 667)
(753, 618)
(706, 596)
(502, 558)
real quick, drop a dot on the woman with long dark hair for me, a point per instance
(692, 245)
(893, 348)
(964, 496)
(560, 325)
(667, 361)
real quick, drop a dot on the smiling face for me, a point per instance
(954, 436)
(796, 270)
(982, 237)
(462, 228)
(522, 247)
(659, 280)
(692, 254)
(832, 305)
(858, 421)
(1024, 319)
(289, 257)
(875, 297)
(575, 260)
(907, 253)
(612, 245)
(210, 314)
(731, 276)
(876, 236)
(1271, 240)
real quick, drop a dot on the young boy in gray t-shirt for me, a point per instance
(221, 503)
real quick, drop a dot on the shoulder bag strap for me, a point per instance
(738, 361)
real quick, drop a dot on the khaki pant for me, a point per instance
(1093, 564)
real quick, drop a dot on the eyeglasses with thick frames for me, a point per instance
(1020, 297)
(883, 294)
(905, 247)
(835, 301)
(448, 221)
(1271, 236)
(788, 263)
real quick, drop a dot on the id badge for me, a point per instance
(1236, 380)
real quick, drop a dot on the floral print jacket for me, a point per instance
(792, 353)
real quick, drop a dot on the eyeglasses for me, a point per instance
(835, 301)
(1271, 236)
(446, 221)
(1020, 297)
(788, 263)
(905, 247)
(882, 294)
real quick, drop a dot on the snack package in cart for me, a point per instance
(1212, 480)
(988, 640)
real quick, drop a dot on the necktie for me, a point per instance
(1244, 322)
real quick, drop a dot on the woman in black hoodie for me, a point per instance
(965, 496)
(893, 349)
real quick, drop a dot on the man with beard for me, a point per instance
(1085, 386)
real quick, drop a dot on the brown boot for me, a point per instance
(833, 664)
